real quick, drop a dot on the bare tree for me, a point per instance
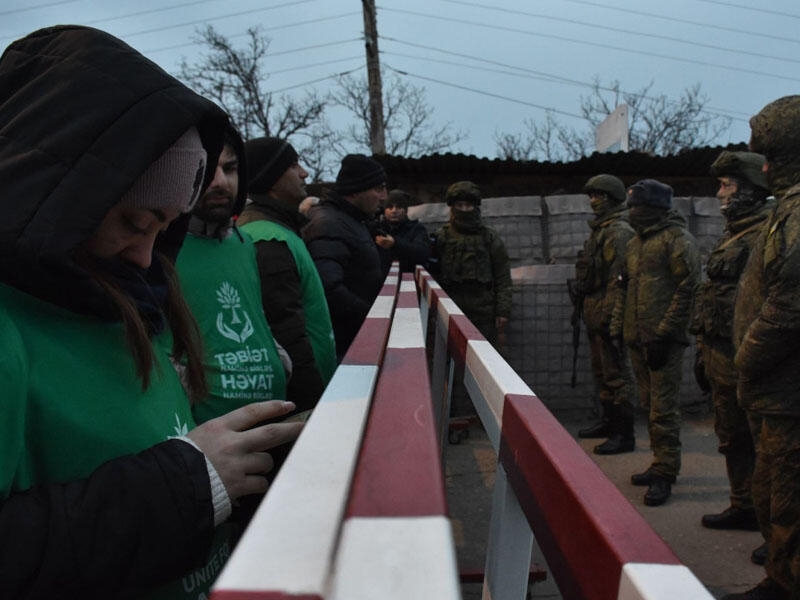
(235, 79)
(407, 117)
(548, 140)
(656, 125)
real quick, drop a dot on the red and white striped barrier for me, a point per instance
(357, 510)
(596, 544)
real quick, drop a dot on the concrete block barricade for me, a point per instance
(596, 545)
(358, 509)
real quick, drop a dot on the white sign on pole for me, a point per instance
(612, 134)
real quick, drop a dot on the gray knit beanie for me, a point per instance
(173, 180)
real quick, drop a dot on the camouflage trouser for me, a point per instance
(658, 392)
(612, 373)
(776, 495)
(735, 442)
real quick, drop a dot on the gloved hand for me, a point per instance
(656, 353)
(700, 373)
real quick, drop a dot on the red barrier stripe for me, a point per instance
(369, 344)
(399, 468)
(586, 528)
(459, 331)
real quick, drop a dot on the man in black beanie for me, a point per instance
(293, 298)
(343, 248)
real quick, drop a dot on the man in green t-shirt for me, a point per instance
(219, 277)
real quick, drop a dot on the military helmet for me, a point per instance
(743, 165)
(463, 190)
(608, 184)
(775, 130)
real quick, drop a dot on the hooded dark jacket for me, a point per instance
(82, 115)
(412, 245)
(348, 263)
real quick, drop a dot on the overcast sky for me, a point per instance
(486, 64)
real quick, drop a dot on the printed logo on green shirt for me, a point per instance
(233, 329)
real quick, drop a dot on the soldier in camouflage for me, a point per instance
(662, 271)
(597, 272)
(473, 263)
(743, 202)
(767, 342)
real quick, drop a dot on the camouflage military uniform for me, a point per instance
(662, 271)
(766, 333)
(713, 321)
(598, 272)
(767, 342)
(475, 273)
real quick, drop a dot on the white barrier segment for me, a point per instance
(446, 308)
(641, 581)
(408, 286)
(508, 552)
(488, 378)
(441, 385)
(406, 329)
(424, 314)
(393, 277)
(396, 558)
(289, 544)
(381, 308)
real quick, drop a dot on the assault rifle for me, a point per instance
(576, 297)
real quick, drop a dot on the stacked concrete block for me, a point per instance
(566, 226)
(707, 224)
(518, 221)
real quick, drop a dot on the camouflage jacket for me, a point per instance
(767, 314)
(713, 315)
(600, 265)
(476, 259)
(661, 274)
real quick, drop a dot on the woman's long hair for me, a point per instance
(187, 345)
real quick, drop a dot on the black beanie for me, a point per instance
(649, 192)
(268, 158)
(359, 173)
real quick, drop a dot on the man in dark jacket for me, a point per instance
(743, 202)
(342, 247)
(662, 271)
(400, 238)
(597, 272)
(291, 289)
(765, 335)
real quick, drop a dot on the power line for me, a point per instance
(292, 87)
(711, 111)
(319, 64)
(29, 8)
(237, 35)
(625, 31)
(716, 26)
(761, 10)
(483, 93)
(220, 18)
(637, 51)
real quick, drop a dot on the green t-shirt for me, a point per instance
(317, 315)
(221, 284)
(72, 401)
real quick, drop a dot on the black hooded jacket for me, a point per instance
(82, 115)
(348, 263)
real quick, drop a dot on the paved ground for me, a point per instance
(720, 559)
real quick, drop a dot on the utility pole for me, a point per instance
(377, 139)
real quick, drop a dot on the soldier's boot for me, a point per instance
(741, 514)
(602, 428)
(622, 438)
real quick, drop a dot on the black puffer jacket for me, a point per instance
(348, 263)
(412, 245)
(82, 115)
